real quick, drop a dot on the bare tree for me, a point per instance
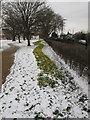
(59, 23)
(49, 22)
(21, 15)
(9, 19)
(28, 12)
(27, 18)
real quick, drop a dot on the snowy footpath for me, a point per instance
(22, 97)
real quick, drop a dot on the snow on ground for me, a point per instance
(4, 44)
(21, 97)
(19, 83)
(81, 81)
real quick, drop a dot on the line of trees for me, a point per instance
(30, 18)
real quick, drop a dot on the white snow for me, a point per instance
(81, 81)
(21, 97)
(4, 44)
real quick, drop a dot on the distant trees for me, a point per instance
(49, 22)
(28, 18)
(88, 38)
(80, 35)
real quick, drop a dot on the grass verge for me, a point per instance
(49, 71)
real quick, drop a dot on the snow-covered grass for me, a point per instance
(81, 81)
(22, 97)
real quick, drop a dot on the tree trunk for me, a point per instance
(19, 39)
(13, 38)
(24, 37)
(13, 35)
(28, 40)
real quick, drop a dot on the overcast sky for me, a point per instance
(76, 14)
(75, 11)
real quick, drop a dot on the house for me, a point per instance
(4, 34)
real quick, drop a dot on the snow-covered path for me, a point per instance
(20, 82)
(23, 98)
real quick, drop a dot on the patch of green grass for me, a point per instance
(46, 81)
(47, 66)
(36, 43)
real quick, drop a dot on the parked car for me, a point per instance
(83, 42)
